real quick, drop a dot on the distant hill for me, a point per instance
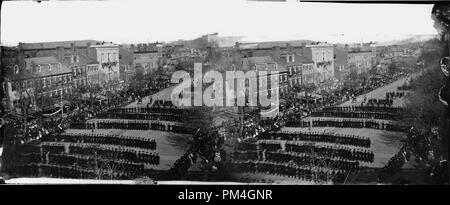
(408, 40)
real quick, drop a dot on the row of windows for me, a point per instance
(48, 66)
(80, 70)
(109, 57)
(79, 82)
(57, 93)
(359, 57)
(360, 64)
(145, 57)
(43, 82)
(72, 58)
(92, 68)
(323, 55)
(296, 69)
(55, 81)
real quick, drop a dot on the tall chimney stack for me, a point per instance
(21, 56)
(237, 55)
(72, 47)
(276, 52)
(60, 53)
(289, 48)
(88, 49)
(303, 48)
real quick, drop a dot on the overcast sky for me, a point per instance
(132, 21)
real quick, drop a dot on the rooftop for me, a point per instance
(44, 62)
(267, 60)
(52, 45)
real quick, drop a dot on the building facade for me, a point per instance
(107, 55)
(41, 82)
(148, 61)
(323, 57)
(360, 60)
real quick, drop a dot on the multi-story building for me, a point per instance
(101, 60)
(301, 69)
(323, 57)
(340, 63)
(360, 60)
(107, 55)
(268, 64)
(127, 69)
(84, 69)
(40, 79)
(147, 57)
(147, 61)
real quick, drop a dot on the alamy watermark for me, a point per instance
(252, 88)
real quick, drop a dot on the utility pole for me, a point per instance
(62, 108)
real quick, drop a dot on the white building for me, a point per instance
(108, 57)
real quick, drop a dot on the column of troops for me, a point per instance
(103, 151)
(355, 114)
(129, 141)
(173, 111)
(78, 172)
(61, 165)
(347, 123)
(140, 116)
(131, 125)
(163, 104)
(182, 164)
(396, 94)
(344, 152)
(289, 170)
(320, 137)
(364, 109)
(87, 161)
(300, 159)
(326, 150)
(303, 159)
(380, 102)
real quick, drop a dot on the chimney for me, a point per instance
(21, 56)
(237, 55)
(303, 48)
(60, 53)
(33, 66)
(289, 48)
(211, 52)
(73, 48)
(88, 49)
(276, 52)
(236, 45)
